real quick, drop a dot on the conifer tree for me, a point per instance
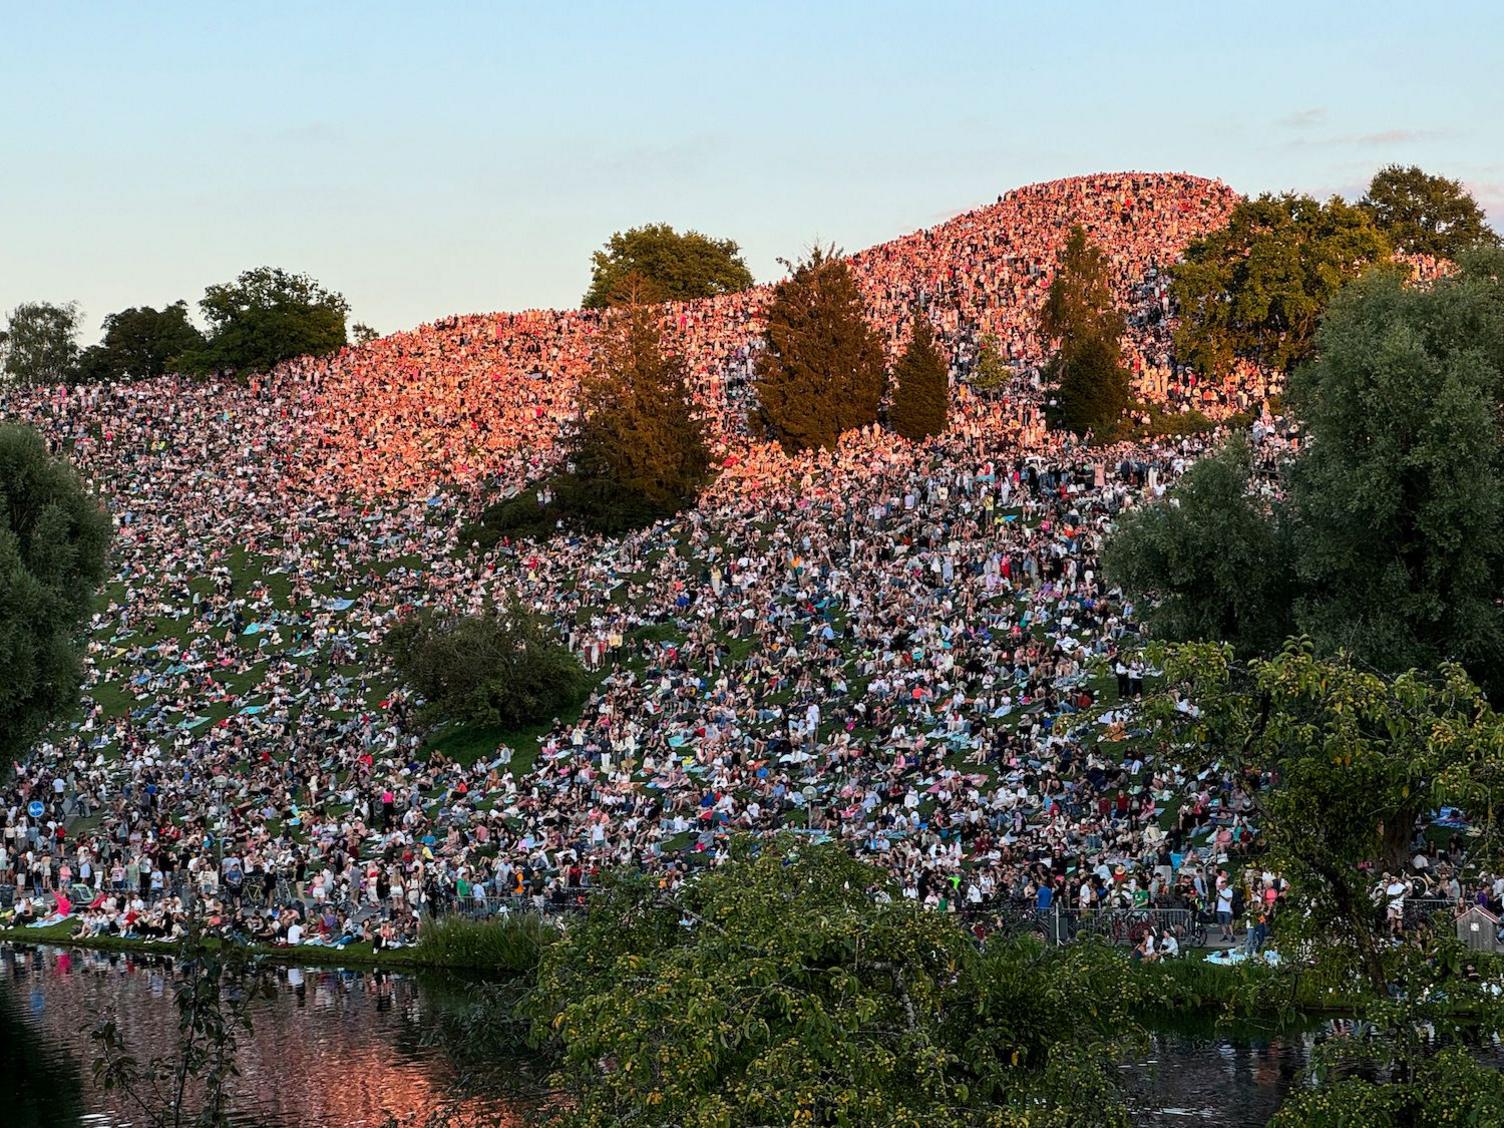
(638, 431)
(989, 372)
(822, 371)
(922, 392)
(1086, 374)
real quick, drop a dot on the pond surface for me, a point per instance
(345, 1049)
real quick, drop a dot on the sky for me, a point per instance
(437, 158)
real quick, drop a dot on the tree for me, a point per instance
(1256, 288)
(266, 316)
(921, 395)
(667, 266)
(505, 667)
(821, 373)
(363, 334)
(1389, 540)
(637, 425)
(778, 988)
(1208, 561)
(54, 536)
(1425, 214)
(140, 343)
(1397, 500)
(40, 343)
(1351, 760)
(990, 373)
(1090, 384)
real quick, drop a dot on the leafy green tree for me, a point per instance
(506, 667)
(637, 427)
(777, 989)
(1208, 561)
(1388, 542)
(40, 343)
(1425, 214)
(664, 266)
(1397, 500)
(54, 537)
(141, 342)
(266, 316)
(990, 373)
(822, 372)
(1256, 288)
(1089, 383)
(363, 334)
(921, 393)
(1352, 759)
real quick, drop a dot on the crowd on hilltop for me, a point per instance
(486, 398)
(872, 644)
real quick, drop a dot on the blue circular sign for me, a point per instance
(35, 808)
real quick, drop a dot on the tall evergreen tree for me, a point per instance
(822, 371)
(1086, 374)
(638, 431)
(922, 393)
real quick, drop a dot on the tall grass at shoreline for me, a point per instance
(510, 944)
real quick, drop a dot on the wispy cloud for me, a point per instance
(1303, 119)
(1395, 136)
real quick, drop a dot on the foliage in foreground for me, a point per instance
(1351, 760)
(54, 538)
(505, 667)
(1389, 539)
(777, 990)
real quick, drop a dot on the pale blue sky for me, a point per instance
(435, 158)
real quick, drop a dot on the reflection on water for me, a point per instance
(328, 1048)
(346, 1049)
(1198, 1073)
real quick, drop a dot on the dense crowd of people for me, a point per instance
(872, 644)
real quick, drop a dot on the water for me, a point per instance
(327, 1048)
(347, 1048)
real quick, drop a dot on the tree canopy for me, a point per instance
(264, 317)
(637, 425)
(792, 985)
(1389, 537)
(40, 343)
(505, 667)
(54, 538)
(141, 342)
(921, 392)
(1425, 214)
(1255, 289)
(664, 265)
(1209, 563)
(990, 372)
(822, 371)
(1086, 374)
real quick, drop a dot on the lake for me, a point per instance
(353, 1048)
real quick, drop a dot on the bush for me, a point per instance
(571, 504)
(503, 668)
